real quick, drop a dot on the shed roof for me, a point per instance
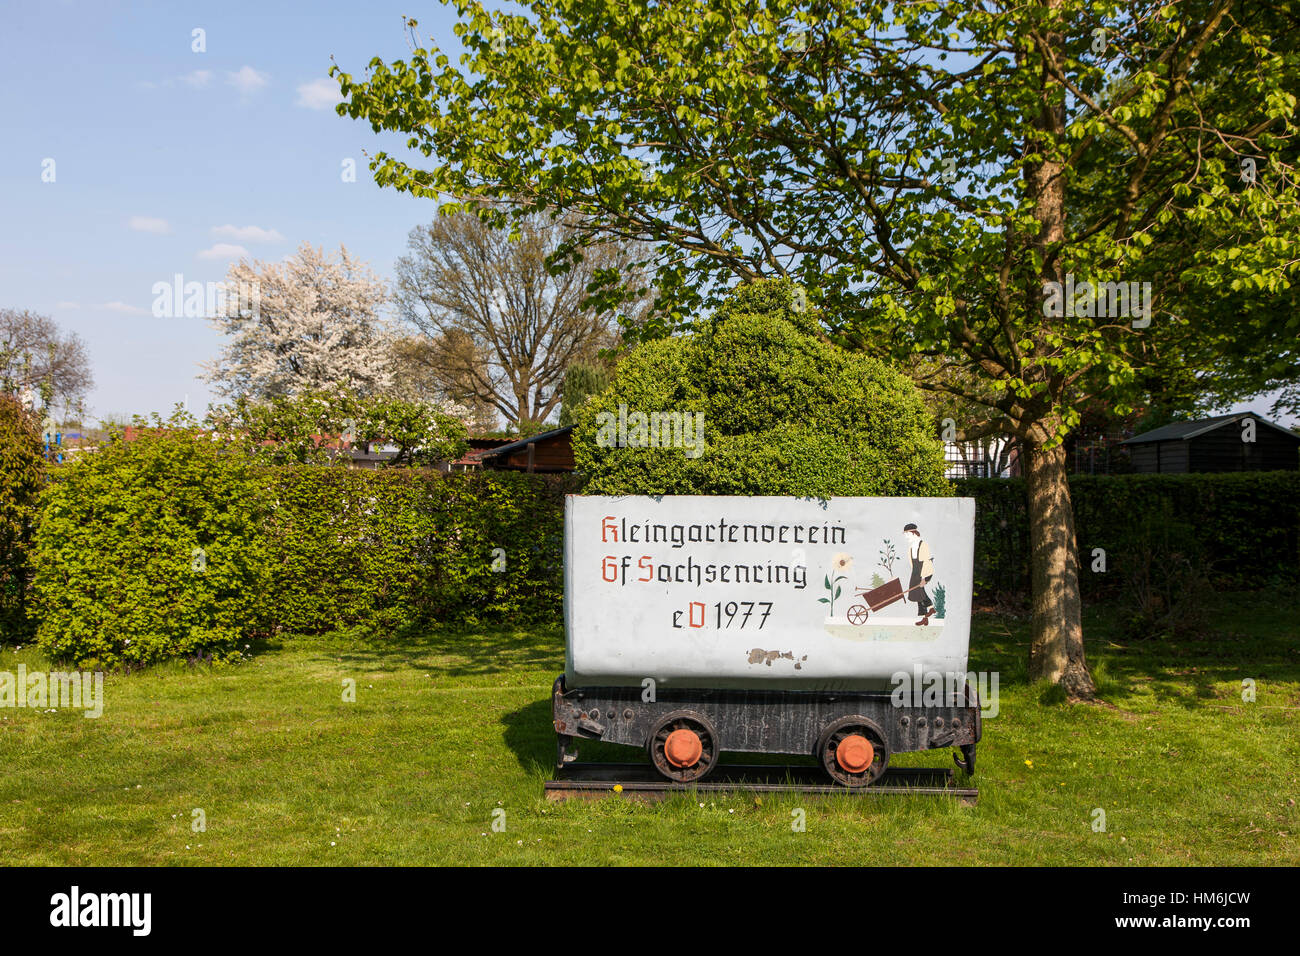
(1183, 431)
(523, 443)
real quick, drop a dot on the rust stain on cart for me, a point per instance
(760, 656)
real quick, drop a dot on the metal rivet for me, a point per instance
(920, 721)
(905, 721)
(938, 722)
(627, 714)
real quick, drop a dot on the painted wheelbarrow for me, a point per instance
(876, 598)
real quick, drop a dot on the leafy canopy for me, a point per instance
(581, 381)
(922, 168)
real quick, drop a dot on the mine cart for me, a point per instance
(702, 625)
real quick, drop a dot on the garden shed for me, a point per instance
(547, 451)
(1222, 443)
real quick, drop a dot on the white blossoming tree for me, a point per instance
(305, 323)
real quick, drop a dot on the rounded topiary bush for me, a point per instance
(150, 549)
(783, 412)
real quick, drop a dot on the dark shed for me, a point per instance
(1223, 443)
(546, 451)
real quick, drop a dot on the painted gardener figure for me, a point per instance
(922, 571)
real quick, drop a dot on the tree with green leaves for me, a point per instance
(936, 174)
(417, 432)
(581, 381)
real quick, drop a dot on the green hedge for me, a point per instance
(148, 550)
(398, 547)
(167, 547)
(22, 473)
(1247, 525)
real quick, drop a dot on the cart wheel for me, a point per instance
(857, 614)
(683, 746)
(853, 751)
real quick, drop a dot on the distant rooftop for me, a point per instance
(523, 443)
(1181, 431)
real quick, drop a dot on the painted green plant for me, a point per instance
(940, 601)
(834, 589)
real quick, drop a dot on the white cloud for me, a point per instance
(248, 80)
(196, 79)
(224, 250)
(123, 308)
(247, 233)
(159, 227)
(319, 94)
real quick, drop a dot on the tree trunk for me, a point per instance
(1056, 651)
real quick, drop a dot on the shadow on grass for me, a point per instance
(530, 735)
(1256, 635)
(1246, 634)
(453, 651)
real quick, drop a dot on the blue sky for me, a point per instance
(156, 148)
(172, 161)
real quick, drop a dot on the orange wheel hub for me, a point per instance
(683, 748)
(855, 753)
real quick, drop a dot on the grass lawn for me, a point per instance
(449, 728)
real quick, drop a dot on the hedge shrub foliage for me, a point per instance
(168, 546)
(784, 412)
(1245, 527)
(147, 550)
(399, 547)
(22, 473)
